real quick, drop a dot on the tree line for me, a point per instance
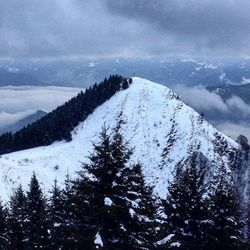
(58, 124)
(109, 206)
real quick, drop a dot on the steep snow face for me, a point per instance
(161, 128)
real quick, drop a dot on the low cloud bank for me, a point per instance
(231, 116)
(7, 119)
(17, 103)
(234, 129)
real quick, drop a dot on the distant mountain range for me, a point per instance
(227, 91)
(8, 77)
(83, 72)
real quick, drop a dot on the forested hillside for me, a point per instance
(58, 124)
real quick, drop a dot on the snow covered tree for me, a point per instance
(17, 219)
(185, 210)
(106, 162)
(114, 204)
(141, 225)
(56, 217)
(36, 224)
(83, 215)
(63, 233)
(4, 239)
(225, 213)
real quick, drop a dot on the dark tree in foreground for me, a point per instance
(56, 217)
(63, 221)
(36, 224)
(185, 210)
(83, 215)
(107, 161)
(4, 239)
(225, 214)
(142, 209)
(17, 219)
(117, 194)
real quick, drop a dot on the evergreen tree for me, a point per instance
(36, 233)
(141, 225)
(16, 220)
(225, 213)
(83, 217)
(65, 233)
(4, 239)
(106, 161)
(185, 210)
(113, 201)
(56, 217)
(68, 218)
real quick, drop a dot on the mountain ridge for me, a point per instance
(162, 130)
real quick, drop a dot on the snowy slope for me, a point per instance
(154, 121)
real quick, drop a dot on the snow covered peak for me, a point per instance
(162, 129)
(140, 83)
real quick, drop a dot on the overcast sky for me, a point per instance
(100, 28)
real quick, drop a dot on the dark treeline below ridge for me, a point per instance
(58, 124)
(110, 207)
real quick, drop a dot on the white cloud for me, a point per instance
(7, 119)
(236, 103)
(231, 116)
(17, 103)
(201, 99)
(234, 129)
(18, 99)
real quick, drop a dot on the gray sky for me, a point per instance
(100, 28)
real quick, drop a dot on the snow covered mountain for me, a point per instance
(162, 129)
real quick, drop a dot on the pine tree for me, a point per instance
(66, 213)
(56, 217)
(84, 220)
(185, 210)
(225, 213)
(105, 164)
(141, 225)
(4, 239)
(16, 219)
(119, 224)
(36, 234)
